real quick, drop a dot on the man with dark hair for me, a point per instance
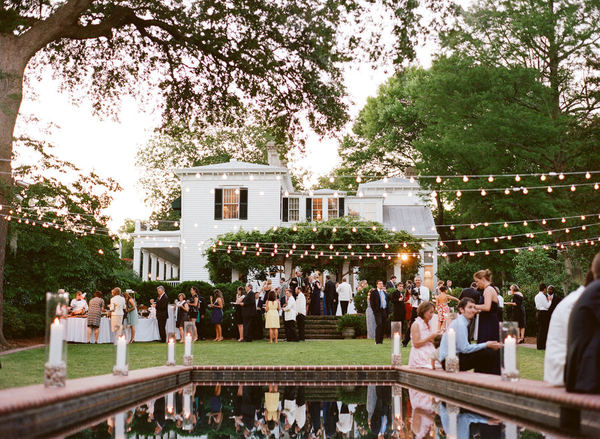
(481, 356)
(330, 297)
(542, 304)
(379, 304)
(470, 292)
(582, 371)
(248, 312)
(391, 284)
(162, 312)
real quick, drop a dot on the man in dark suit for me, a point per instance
(379, 304)
(391, 284)
(257, 323)
(330, 296)
(297, 281)
(248, 312)
(162, 312)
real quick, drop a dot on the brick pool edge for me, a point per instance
(55, 410)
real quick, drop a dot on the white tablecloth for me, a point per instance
(146, 329)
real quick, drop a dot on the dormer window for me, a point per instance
(231, 203)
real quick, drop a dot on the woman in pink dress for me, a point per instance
(422, 335)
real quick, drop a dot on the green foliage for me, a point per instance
(460, 272)
(360, 300)
(220, 263)
(533, 268)
(356, 321)
(42, 257)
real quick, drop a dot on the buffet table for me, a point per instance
(146, 329)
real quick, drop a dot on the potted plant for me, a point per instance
(351, 325)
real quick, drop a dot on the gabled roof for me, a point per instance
(416, 220)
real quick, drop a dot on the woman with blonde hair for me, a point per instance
(132, 313)
(117, 309)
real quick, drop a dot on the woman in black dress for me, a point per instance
(239, 298)
(489, 328)
(315, 299)
(183, 308)
(518, 314)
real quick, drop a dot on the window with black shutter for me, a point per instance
(218, 204)
(341, 208)
(284, 210)
(243, 204)
(309, 209)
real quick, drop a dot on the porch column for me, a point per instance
(145, 264)
(137, 254)
(175, 272)
(235, 275)
(152, 266)
(398, 270)
(168, 270)
(161, 269)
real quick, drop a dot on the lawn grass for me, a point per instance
(27, 367)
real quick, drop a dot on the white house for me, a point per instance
(225, 197)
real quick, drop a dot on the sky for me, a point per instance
(108, 147)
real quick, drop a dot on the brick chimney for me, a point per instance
(272, 154)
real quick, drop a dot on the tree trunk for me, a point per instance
(12, 68)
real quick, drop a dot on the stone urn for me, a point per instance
(348, 332)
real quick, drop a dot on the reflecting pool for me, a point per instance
(287, 411)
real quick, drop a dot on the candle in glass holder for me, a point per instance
(170, 403)
(121, 349)
(396, 343)
(188, 345)
(171, 350)
(451, 343)
(510, 354)
(120, 426)
(56, 343)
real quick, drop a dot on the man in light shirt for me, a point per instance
(542, 304)
(556, 347)
(300, 313)
(344, 291)
(289, 316)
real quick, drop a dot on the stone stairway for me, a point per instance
(316, 327)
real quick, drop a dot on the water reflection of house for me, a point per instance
(225, 197)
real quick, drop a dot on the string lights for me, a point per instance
(404, 255)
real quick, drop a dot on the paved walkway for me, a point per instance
(12, 351)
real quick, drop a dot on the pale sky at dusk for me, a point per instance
(109, 147)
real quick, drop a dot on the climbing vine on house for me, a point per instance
(336, 245)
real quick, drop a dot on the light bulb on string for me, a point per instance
(549, 189)
(458, 193)
(472, 226)
(331, 179)
(517, 177)
(588, 175)
(573, 188)
(483, 192)
(334, 229)
(596, 186)
(438, 179)
(561, 176)
(465, 178)
(525, 190)
(506, 191)
(358, 179)
(582, 217)
(543, 177)
(353, 229)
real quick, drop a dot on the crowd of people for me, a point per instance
(568, 329)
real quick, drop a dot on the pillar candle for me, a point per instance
(511, 431)
(510, 354)
(56, 343)
(170, 399)
(187, 405)
(396, 343)
(451, 343)
(121, 350)
(453, 424)
(120, 426)
(397, 407)
(188, 345)
(171, 350)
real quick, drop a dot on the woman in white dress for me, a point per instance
(422, 335)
